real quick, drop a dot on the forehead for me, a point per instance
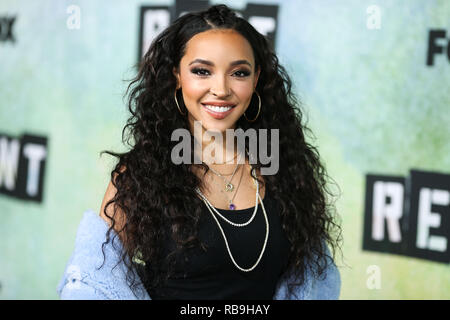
(218, 45)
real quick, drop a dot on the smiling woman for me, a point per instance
(211, 230)
(217, 76)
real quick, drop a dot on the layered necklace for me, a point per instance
(212, 209)
(229, 187)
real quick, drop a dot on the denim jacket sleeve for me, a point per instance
(90, 275)
(85, 277)
(325, 287)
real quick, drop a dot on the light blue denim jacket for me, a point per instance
(81, 279)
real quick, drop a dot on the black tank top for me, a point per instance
(212, 274)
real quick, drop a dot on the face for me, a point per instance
(217, 78)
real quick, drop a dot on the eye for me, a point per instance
(196, 70)
(204, 72)
(243, 73)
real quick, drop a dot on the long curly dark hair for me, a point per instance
(157, 196)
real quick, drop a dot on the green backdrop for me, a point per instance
(371, 100)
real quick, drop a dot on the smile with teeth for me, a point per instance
(217, 109)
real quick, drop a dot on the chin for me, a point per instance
(217, 127)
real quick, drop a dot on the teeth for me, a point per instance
(217, 109)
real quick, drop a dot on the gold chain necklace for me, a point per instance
(231, 205)
(228, 185)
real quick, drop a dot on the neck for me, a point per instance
(215, 148)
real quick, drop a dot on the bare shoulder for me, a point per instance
(118, 216)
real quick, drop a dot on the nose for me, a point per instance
(220, 87)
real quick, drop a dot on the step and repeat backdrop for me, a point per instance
(373, 77)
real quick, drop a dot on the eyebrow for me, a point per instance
(210, 63)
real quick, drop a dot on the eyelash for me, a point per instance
(195, 70)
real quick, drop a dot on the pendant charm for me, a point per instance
(229, 187)
(232, 206)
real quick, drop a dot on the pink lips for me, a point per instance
(218, 115)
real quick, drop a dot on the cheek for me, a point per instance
(244, 91)
(192, 94)
(191, 89)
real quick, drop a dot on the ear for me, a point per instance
(177, 76)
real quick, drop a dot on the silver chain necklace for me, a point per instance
(211, 209)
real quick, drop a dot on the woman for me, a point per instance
(218, 229)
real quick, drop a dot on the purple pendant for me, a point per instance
(232, 206)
